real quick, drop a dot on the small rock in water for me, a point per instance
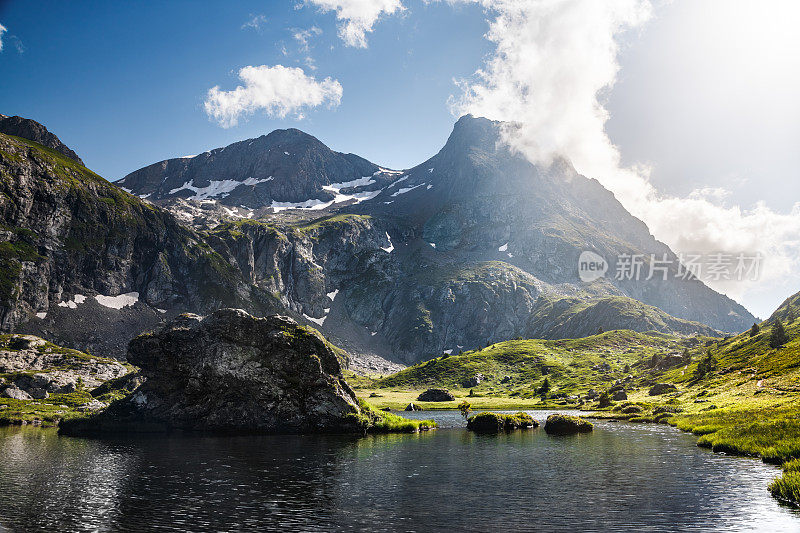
(558, 424)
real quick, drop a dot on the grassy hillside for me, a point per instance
(572, 366)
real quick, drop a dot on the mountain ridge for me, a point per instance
(455, 265)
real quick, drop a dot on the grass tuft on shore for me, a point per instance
(385, 422)
(772, 434)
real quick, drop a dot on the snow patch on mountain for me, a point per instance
(318, 321)
(119, 301)
(404, 190)
(221, 188)
(73, 304)
(360, 182)
(313, 205)
(389, 248)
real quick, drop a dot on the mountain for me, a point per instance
(30, 129)
(473, 247)
(89, 265)
(467, 249)
(285, 169)
(477, 201)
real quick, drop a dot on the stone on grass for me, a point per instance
(662, 388)
(436, 395)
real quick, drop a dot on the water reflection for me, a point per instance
(620, 477)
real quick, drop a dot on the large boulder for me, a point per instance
(662, 388)
(558, 424)
(231, 371)
(436, 395)
(15, 393)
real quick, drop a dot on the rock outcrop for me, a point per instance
(32, 368)
(233, 372)
(32, 130)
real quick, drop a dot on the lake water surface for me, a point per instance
(621, 477)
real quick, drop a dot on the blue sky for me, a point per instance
(123, 84)
(686, 110)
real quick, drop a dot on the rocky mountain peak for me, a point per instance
(471, 132)
(32, 130)
(285, 169)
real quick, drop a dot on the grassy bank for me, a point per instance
(383, 422)
(45, 413)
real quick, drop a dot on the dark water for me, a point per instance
(621, 477)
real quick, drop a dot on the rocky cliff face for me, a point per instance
(72, 242)
(231, 371)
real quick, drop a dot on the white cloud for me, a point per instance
(357, 16)
(302, 37)
(3, 29)
(278, 91)
(255, 22)
(554, 61)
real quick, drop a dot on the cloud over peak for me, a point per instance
(553, 64)
(277, 91)
(357, 16)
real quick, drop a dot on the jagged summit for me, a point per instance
(32, 130)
